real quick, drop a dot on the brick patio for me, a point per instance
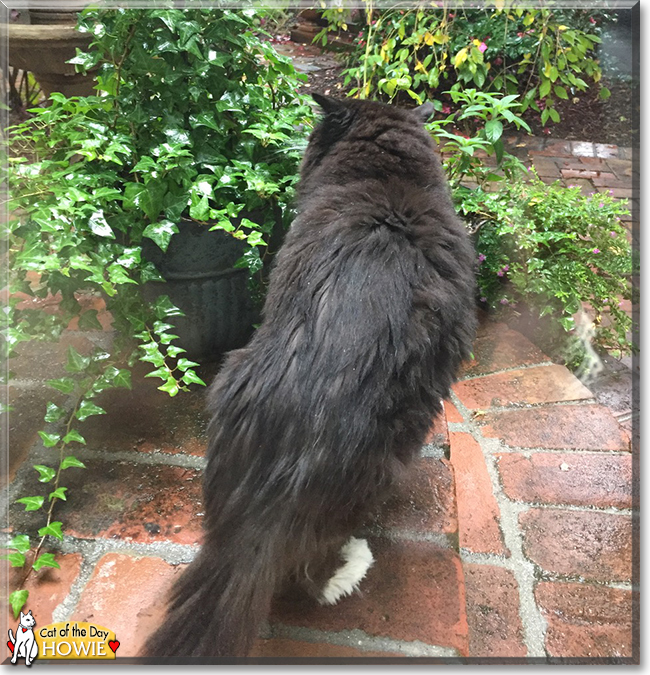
(512, 538)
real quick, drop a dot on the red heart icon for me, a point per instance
(10, 644)
(114, 644)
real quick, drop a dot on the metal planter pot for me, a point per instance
(202, 282)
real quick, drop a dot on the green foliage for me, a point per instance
(542, 54)
(482, 115)
(549, 248)
(196, 117)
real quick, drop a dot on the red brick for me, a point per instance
(452, 413)
(48, 587)
(478, 512)
(586, 621)
(605, 151)
(89, 301)
(438, 434)
(46, 360)
(131, 502)
(546, 166)
(609, 180)
(618, 193)
(568, 478)
(498, 347)
(283, 648)
(414, 591)
(587, 174)
(424, 500)
(586, 427)
(22, 423)
(582, 149)
(127, 595)
(589, 544)
(583, 164)
(493, 612)
(149, 420)
(554, 149)
(541, 384)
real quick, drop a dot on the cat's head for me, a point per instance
(346, 120)
(27, 620)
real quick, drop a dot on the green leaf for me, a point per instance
(98, 225)
(604, 93)
(46, 473)
(171, 387)
(59, 493)
(190, 377)
(52, 530)
(544, 88)
(172, 350)
(31, 503)
(184, 364)
(87, 409)
(54, 412)
(161, 233)
(76, 362)
(123, 379)
(17, 601)
(70, 462)
(560, 92)
(46, 560)
(49, 440)
(16, 559)
(20, 542)
(493, 130)
(89, 321)
(63, 384)
(74, 436)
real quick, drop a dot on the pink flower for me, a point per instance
(546, 130)
(596, 250)
(482, 47)
(483, 299)
(500, 273)
(506, 268)
(601, 205)
(498, 61)
(613, 234)
(503, 301)
(481, 257)
(592, 20)
(446, 109)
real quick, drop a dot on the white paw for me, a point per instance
(358, 560)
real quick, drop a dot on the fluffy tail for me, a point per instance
(220, 601)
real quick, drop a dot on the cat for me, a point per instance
(24, 644)
(369, 312)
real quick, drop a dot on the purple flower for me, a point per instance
(482, 47)
(506, 268)
(613, 234)
(500, 273)
(600, 206)
(483, 299)
(596, 250)
(481, 257)
(503, 301)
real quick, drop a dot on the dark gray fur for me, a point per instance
(369, 312)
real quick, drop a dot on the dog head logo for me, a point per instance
(24, 644)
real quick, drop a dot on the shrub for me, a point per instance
(549, 248)
(539, 53)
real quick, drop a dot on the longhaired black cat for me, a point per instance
(369, 312)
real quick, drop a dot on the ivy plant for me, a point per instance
(196, 117)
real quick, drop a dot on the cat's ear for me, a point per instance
(424, 111)
(330, 106)
(22, 616)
